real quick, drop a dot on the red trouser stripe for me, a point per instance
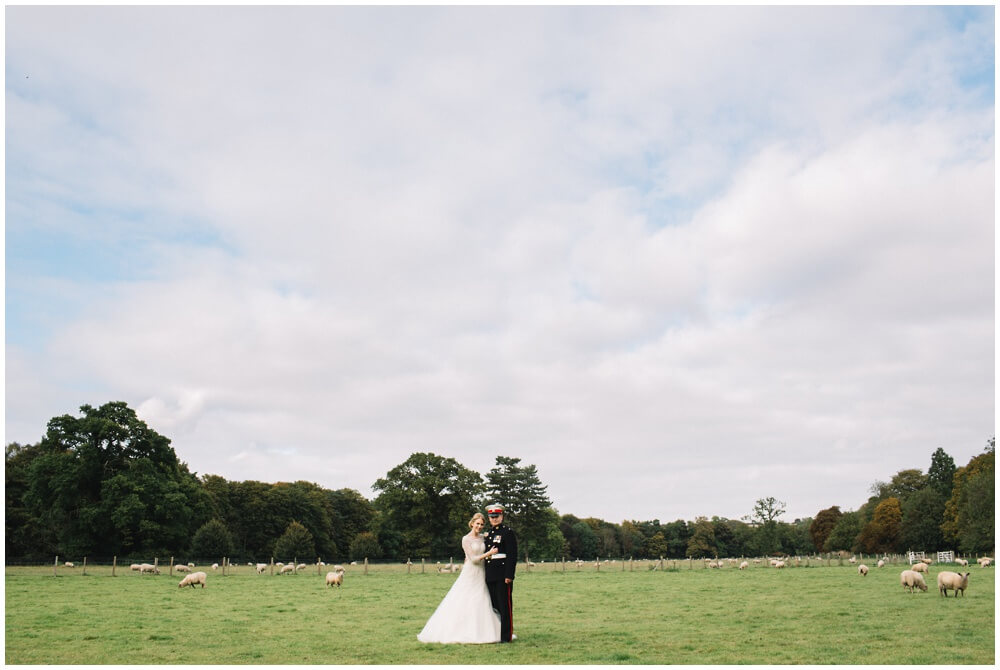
(510, 607)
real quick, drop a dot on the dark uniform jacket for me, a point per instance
(504, 539)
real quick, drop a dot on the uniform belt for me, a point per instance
(498, 556)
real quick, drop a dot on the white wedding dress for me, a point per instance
(465, 615)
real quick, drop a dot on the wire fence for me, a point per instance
(172, 565)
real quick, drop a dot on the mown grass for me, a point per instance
(815, 615)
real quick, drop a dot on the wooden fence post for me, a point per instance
(421, 566)
(54, 566)
(114, 564)
(366, 565)
(409, 564)
(84, 565)
(598, 564)
(156, 565)
(564, 564)
(272, 566)
(171, 566)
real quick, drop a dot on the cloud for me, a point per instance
(675, 279)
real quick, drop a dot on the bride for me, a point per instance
(465, 614)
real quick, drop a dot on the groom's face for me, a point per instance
(496, 519)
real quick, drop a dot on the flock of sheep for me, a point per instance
(333, 578)
(913, 578)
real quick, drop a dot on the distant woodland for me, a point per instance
(105, 484)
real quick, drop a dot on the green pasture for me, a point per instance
(803, 615)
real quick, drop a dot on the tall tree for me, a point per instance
(764, 518)
(823, 525)
(882, 533)
(970, 514)
(295, 543)
(941, 474)
(106, 483)
(521, 492)
(428, 499)
(844, 536)
(702, 542)
(212, 540)
(920, 529)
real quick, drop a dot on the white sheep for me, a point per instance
(192, 579)
(910, 579)
(180, 567)
(69, 564)
(335, 577)
(863, 570)
(928, 561)
(961, 561)
(919, 567)
(880, 563)
(852, 560)
(779, 564)
(215, 566)
(287, 568)
(148, 567)
(261, 567)
(301, 566)
(190, 565)
(984, 561)
(744, 565)
(134, 566)
(952, 580)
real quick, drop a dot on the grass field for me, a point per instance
(806, 615)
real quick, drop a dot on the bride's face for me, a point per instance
(477, 526)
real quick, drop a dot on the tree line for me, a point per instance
(104, 483)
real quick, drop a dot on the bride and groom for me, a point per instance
(478, 607)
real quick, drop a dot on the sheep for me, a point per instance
(952, 580)
(287, 568)
(261, 567)
(852, 560)
(335, 577)
(354, 562)
(69, 564)
(919, 567)
(148, 567)
(961, 561)
(215, 566)
(134, 566)
(928, 561)
(863, 570)
(744, 565)
(779, 564)
(301, 566)
(881, 563)
(190, 565)
(984, 561)
(912, 578)
(180, 567)
(338, 568)
(192, 579)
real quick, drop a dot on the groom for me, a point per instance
(500, 569)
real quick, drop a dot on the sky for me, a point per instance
(679, 259)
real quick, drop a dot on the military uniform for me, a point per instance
(500, 567)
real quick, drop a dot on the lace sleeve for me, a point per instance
(470, 554)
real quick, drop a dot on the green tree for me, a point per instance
(970, 514)
(882, 533)
(295, 542)
(106, 483)
(677, 534)
(548, 541)
(823, 525)
(844, 536)
(428, 500)
(656, 546)
(350, 514)
(365, 545)
(519, 489)
(702, 542)
(212, 540)
(920, 529)
(26, 536)
(764, 519)
(941, 474)
(582, 541)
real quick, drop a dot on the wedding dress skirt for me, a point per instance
(466, 614)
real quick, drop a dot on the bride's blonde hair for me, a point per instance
(477, 515)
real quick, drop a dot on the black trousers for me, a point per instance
(501, 597)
